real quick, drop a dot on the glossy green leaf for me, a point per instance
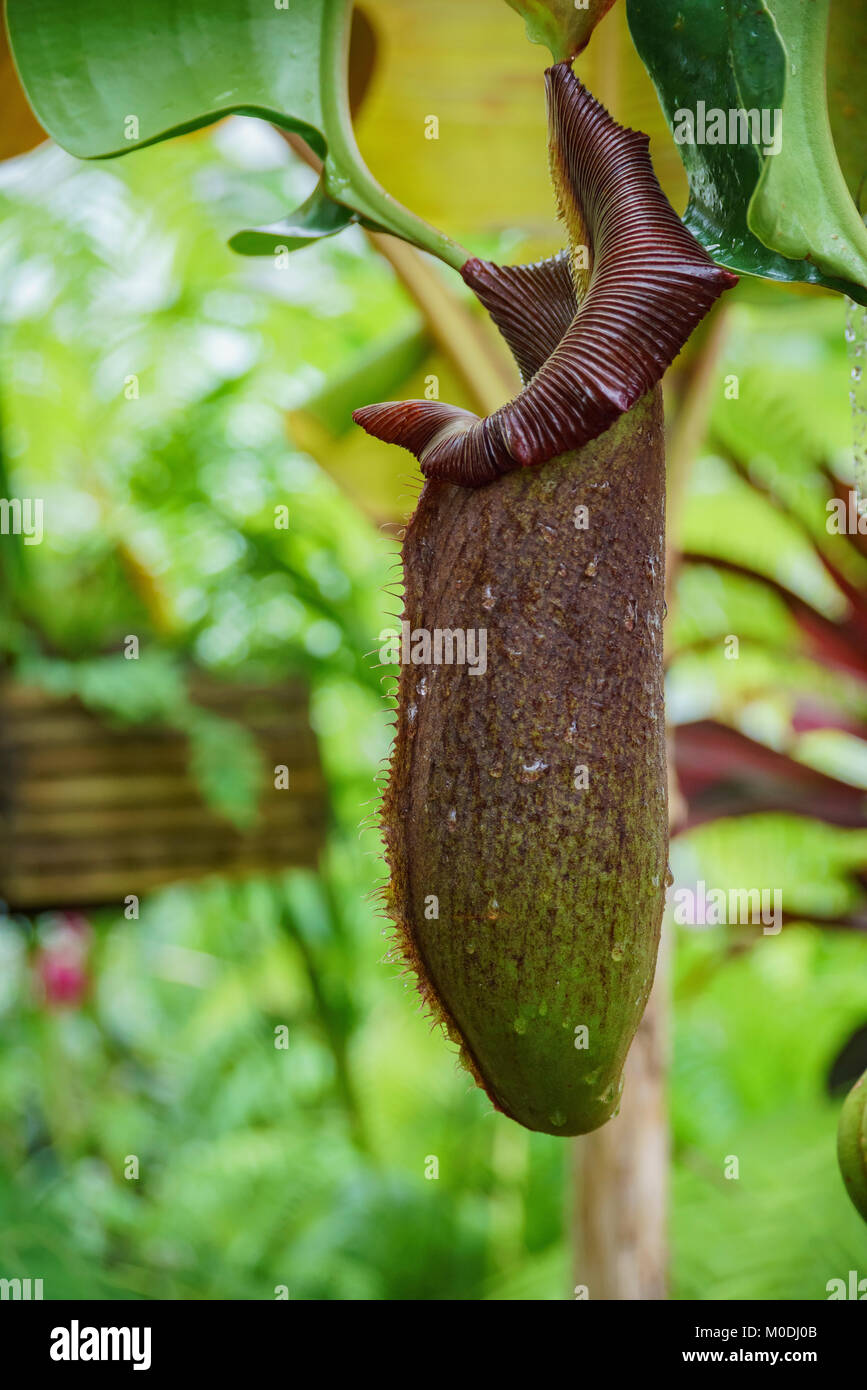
(728, 57)
(105, 79)
(318, 216)
(846, 73)
(801, 206)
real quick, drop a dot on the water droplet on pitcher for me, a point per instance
(558, 1119)
(531, 772)
(520, 1025)
(617, 952)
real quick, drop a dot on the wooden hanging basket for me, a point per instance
(91, 813)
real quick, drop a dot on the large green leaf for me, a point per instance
(847, 90)
(93, 68)
(801, 205)
(105, 79)
(729, 55)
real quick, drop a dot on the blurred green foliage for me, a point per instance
(311, 1165)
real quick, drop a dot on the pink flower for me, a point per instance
(60, 964)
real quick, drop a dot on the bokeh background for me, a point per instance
(309, 1165)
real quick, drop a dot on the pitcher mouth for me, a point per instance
(591, 332)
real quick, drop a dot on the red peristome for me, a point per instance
(583, 363)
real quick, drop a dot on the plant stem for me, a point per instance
(347, 178)
(471, 345)
(620, 1210)
(690, 428)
